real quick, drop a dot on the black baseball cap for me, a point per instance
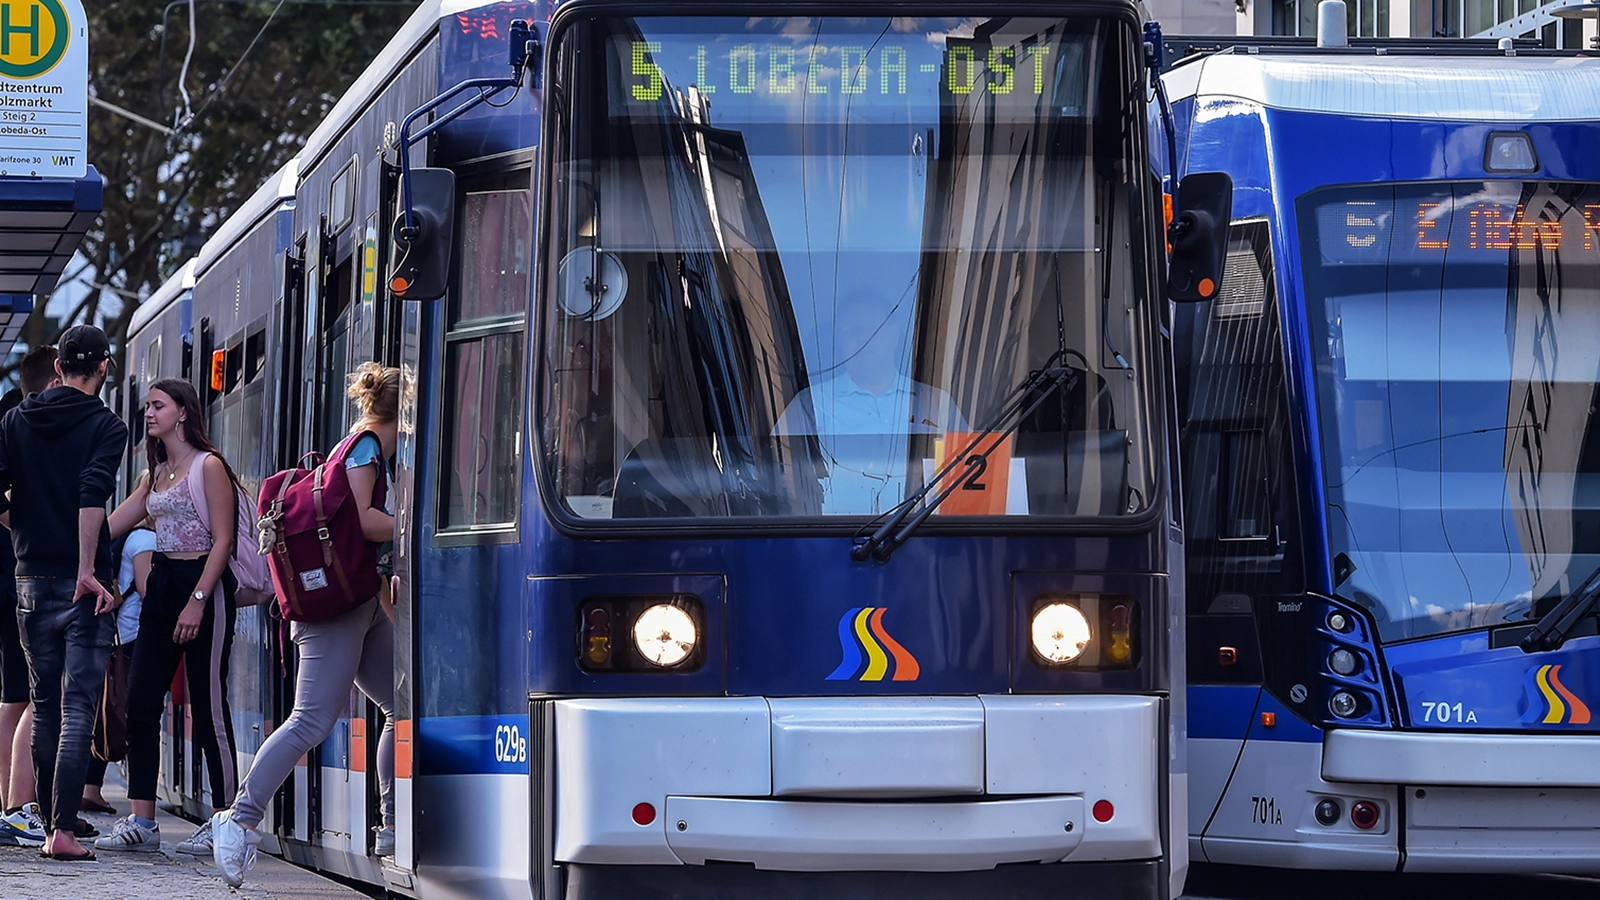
(84, 343)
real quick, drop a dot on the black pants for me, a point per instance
(155, 659)
(67, 645)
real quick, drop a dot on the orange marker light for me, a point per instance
(1121, 641)
(1166, 224)
(1269, 719)
(399, 285)
(1207, 287)
(218, 365)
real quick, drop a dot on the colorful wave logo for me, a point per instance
(864, 640)
(1549, 701)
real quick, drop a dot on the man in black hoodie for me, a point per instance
(59, 453)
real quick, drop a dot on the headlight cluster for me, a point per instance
(1084, 631)
(640, 634)
(1347, 654)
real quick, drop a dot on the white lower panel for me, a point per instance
(1211, 763)
(1301, 854)
(405, 852)
(491, 859)
(920, 837)
(1267, 815)
(1466, 760)
(619, 760)
(1503, 830)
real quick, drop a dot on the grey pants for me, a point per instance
(356, 648)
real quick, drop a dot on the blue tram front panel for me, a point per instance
(1405, 371)
(843, 535)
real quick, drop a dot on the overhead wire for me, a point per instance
(222, 83)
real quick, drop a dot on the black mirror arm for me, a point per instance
(527, 52)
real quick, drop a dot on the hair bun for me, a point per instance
(376, 390)
(365, 381)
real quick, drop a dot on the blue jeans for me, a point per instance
(67, 646)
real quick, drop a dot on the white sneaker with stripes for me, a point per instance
(130, 836)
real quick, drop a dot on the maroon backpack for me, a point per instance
(322, 565)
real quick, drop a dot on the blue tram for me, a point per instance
(1391, 488)
(784, 478)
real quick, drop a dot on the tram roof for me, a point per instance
(411, 38)
(276, 191)
(1455, 88)
(170, 290)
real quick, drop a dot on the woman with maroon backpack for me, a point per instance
(188, 610)
(353, 647)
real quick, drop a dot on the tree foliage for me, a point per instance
(247, 115)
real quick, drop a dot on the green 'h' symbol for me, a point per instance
(31, 29)
(40, 59)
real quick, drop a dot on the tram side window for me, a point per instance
(481, 462)
(336, 355)
(1233, 404)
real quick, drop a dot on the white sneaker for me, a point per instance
(199, 843)
(129, 835)
(383, 844)
(233, 847)
(24, 826)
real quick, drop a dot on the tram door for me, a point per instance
(399, 329)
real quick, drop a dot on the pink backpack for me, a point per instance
(321, 563)
(249, 567)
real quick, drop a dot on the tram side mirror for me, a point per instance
(1199, 237)
(421, 269)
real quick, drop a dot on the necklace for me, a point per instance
(172, 467)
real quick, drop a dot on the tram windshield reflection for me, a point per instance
(792, 262)
(1456, 330)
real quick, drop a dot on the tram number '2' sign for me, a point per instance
(44, 88)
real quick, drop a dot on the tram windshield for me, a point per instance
(1456, 335)
(794, 263)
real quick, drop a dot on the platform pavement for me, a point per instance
(167, 875)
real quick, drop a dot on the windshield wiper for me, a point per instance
(1014, 410)
(1551, 631)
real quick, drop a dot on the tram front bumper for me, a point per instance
(1483, 803)
(932, 784)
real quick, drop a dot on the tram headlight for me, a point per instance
(1343, 662)
(664, 635)
(1060, 632)
(1343, 704)
(1510, 151)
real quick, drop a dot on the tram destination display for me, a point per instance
(1485, 220)
(863, 76)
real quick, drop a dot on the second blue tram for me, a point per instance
(784, 486)
(1391, 460)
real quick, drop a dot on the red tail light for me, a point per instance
(1364, 814)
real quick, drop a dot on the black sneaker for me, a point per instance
(84, 830)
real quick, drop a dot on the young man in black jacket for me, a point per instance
(59, 453)
(36, 374)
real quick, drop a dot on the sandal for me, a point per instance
(94, 807)
(85, 856)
